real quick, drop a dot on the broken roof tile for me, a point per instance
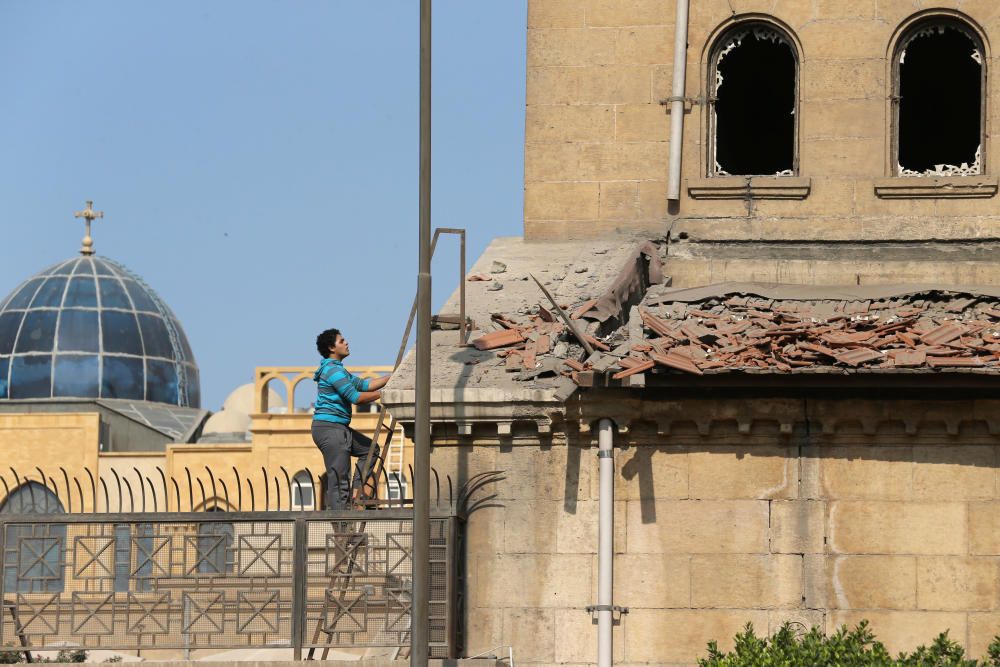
(943, 334)
(677, 361)
(501, 338)
(634, 370)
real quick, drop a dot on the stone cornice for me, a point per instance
(747, 420)
(749, 187)
(936, 187)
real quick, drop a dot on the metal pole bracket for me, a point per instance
(616, 612)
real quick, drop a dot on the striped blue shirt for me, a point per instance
(336, 391)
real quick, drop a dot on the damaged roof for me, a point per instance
(614, 313)
(734, 328)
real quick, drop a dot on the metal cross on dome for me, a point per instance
(89, 215)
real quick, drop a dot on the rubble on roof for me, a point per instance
(928, 330)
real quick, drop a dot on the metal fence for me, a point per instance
(305, 580)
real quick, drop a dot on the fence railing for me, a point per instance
(121, 489)
(221, 580)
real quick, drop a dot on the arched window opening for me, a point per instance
(939, 80)
(35, 560)
(754, 99)
(302, 493)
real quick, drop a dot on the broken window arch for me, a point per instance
(939, 83)
(754, 102)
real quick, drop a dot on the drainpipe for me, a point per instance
(606, 541)
(677, 100)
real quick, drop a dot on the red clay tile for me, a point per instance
(635, 370)
(495, 339)
(858, 356)
(678, 362)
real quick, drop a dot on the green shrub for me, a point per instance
(11, 657)
(790, 647)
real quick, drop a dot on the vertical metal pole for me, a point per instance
(420, 635)
(606, 542)
(677, 101)
(300, 591)
(461, 292)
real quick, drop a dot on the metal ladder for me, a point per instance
(371, 471)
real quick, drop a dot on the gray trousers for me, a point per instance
(338, 443)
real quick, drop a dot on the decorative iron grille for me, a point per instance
(305, 580)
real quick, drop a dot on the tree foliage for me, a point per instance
(791, 647)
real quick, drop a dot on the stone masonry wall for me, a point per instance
(825, 526)
(596, 143)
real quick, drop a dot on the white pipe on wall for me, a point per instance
(677, 100)
(606, 541)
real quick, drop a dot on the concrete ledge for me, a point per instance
(754, 187)
(936, 187)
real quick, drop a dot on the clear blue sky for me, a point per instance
(257, 159)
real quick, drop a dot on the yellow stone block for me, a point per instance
(863, 471)
(553, 162)
(742, 472)
(570, 123)
(645, 46)
(561, 201)
(642, 122)
(696, 526)
(957, 584)
(983, 629)
(547, 230)
(984, 528)
(645, 471)
(903, 630)
(827, 197)
(484, 627)
(681, 636)
(532, 631)
(619, 200)
(594, 162)
(533, 580)
(745, 580)
(551, 85)
(861, 582)
(629, 12)
(571, 47)
(844, 9)
(954, 472)
(843, 157)
(663, 86)
(551, 474)
(576, 638)
(604, 84)
(874, 527)
(652, 200)
(826, 119)
(548, 526)
(660, 581)
(854, 38)
(822, 78)
(797, 526)
(556, 14)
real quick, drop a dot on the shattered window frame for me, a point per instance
(763, 28)
(921, 26)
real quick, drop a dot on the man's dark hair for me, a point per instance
(325, 341)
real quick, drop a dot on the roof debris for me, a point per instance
(927, 330)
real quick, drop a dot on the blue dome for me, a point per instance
(90, 328)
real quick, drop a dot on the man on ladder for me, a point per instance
(337, 391)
